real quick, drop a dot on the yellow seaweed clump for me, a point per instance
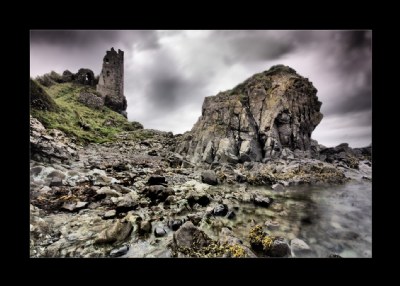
(237, 251)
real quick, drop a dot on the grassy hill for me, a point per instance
(63, 111)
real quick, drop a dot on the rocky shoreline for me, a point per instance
(139, 198)
(147, 193)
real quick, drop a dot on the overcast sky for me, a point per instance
(168, 73)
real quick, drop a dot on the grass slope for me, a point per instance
(76, 119)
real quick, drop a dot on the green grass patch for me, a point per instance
(76, 119)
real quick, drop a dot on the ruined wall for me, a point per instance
(111, 81)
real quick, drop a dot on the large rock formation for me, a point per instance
(270, 115)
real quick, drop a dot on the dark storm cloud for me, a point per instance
(91, 38)
(248, 46)
(168, 73)
(166, 91)
(353, 67)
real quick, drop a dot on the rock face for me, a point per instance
(188, 235)
(270, 115)
(346, 155)
(50, 145)
(111, 81)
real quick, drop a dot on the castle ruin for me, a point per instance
(111, 81)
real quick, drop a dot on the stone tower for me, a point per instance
(111, 81)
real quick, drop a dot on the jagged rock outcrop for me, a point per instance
(270, 115)
(346, 155)
(50, 145)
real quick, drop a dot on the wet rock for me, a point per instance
(188, 236)
(279, 248)
(231, 215)
(119, 251)
(272, 225)
(226, 236)
(159, 232)
(156, 180)
(262, 201)
(170, 200)
(56, 174)
(195, 218)
(299, 248)
(240, 178)
(122, 189)
(68, 206)
(81, 205)
(175, 160)
(209, 177)
(128, 202)
(145, 227)
(110, 214)
(56, 182)
(175, 224)
(74, 206)
(36, 170)
(119, 231)
(200, 198)
(108, 191)
(158, 193)
(220, 210)
(278, 187)
(152, 153)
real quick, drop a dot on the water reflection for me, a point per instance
(330, 219)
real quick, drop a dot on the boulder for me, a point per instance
(235, 245)
(188, 236)
(175, 224)
(159, 232)
(299, 248)
(119, 251)
(220, 210)
(262, 201)
(278, 187)
(119, 231)
(158, 193)
(279, 248)
(156, 180)
(110, 214)
(209, 177)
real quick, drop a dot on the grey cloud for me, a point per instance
(248, 46)
(168, 73)
(91, 38)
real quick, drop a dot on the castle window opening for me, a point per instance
(107, 61)
(108, 73)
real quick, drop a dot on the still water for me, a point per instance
(330, 219)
